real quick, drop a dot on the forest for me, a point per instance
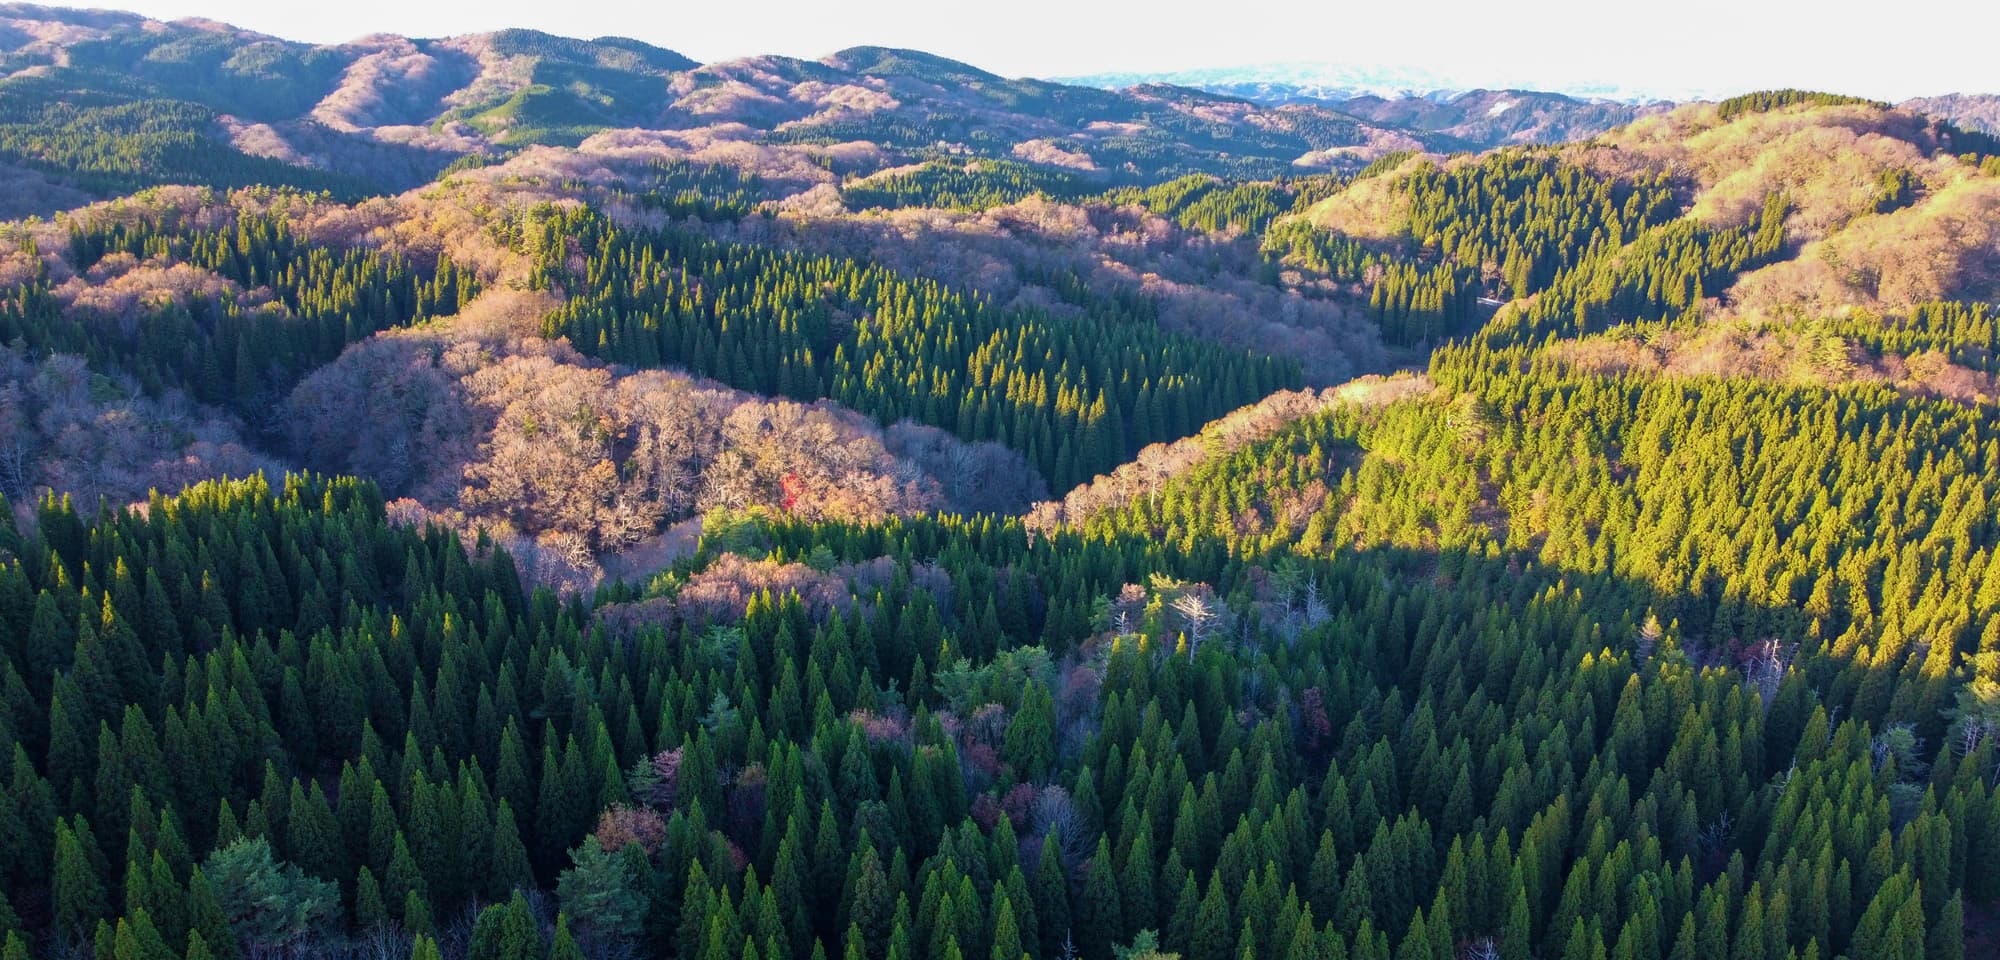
(873, 509)
(1075, 394)
(106, 136)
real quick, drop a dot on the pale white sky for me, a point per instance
(1876, 48)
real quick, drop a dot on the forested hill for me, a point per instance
(104, 102)
(110, 102)
(520, 498)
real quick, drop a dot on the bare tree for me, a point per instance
(1976, 715)
(1198, 615)
(17, 460)
(1055, 815)
(1716, 836)
(1315, 609)
(1764, 667)
(382, 943)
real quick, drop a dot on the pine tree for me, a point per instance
(564, 946)
(207, 919)
(1030, 740)
(1947, 935)
(138, 939)
(1211, 937)
(1052, 898)
(510, 857)
(371, 912)
(1100, 916)
(77, 891)
(417, 915)
(868, 906)
(1006, 935)
(507, 931)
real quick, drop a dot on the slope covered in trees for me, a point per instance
(971, 186)
(107, 137)
(1758, 213)
(1076, 395)
(1440, 238)
(584, 469)
(1431, 729)
(1578, 644)
(214, 348)
(110, 102)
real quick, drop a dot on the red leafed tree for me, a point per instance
(792, 488)
(986, 811)
(1312, 713)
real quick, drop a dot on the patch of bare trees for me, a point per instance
(584, 459)
(67, 429)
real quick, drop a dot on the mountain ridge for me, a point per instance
(396, 110)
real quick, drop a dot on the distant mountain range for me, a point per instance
(1423, 100)
(1336, 82)
(1411, 99)
(113, 101)
(96, 103)
(106, 102)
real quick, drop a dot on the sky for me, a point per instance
(1688, 47)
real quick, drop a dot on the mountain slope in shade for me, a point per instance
(1489, 118)
(1972, 111)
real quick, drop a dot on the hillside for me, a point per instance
(141, 100)
(1482, 119)
(1979, 112)
(511, 497)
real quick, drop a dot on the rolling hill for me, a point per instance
(384, 113)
